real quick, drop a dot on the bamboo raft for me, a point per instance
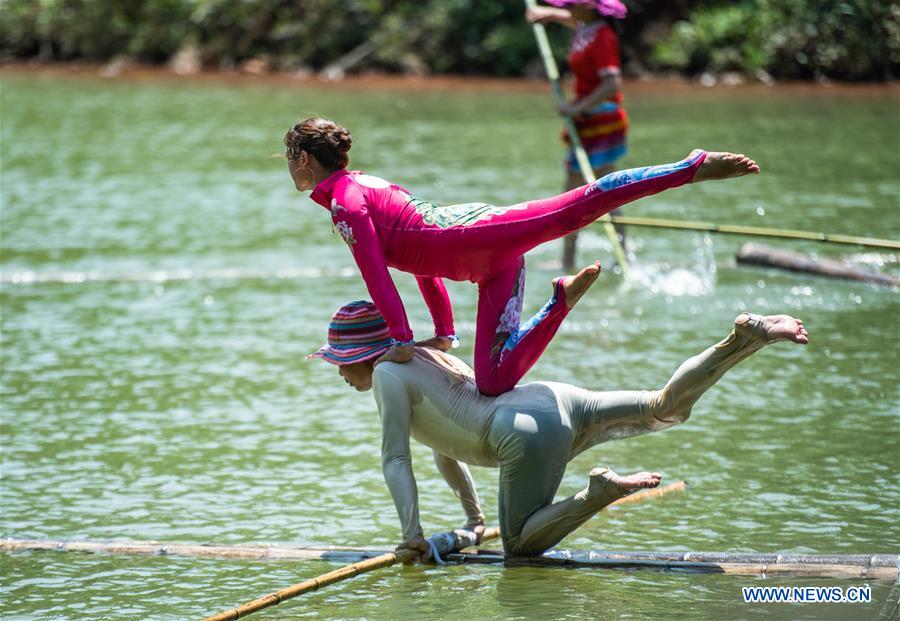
(860, 566)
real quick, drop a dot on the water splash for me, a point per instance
(670, 280)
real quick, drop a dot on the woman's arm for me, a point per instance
(546, 14)
(457, 476)
(438, 302)
(350, 215)
(396, 461)
(611, 84)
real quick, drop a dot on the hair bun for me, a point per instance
(325, 140)
(342, 139)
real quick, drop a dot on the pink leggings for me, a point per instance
(504, 349)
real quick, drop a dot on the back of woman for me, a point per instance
(437, 393)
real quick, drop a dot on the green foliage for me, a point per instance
(789, 38)
(845, 39)
(150, 30)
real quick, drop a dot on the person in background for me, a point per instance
(597, 111)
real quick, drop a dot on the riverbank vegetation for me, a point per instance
(789, 39)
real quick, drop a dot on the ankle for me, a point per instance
(751, 326)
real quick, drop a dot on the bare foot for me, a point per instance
(721, 165)
(575, 286)
(774, 327)
(601, 478)
(785, 328)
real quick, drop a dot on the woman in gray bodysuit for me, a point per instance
(530, 432)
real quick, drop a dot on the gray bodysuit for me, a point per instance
(530, 433)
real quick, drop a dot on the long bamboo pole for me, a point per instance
(647, 494)
(313, 584)
(386, 560)
(875, 567)
(540, 34)
(248, 551)
(758, 231)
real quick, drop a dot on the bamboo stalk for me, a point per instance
(647, 494)
(540, 35)
(150, 548)
(732, 564)
(866, 566)
(758, 231)
(253, 552)
(348, 571)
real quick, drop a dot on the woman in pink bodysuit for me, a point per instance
(384, 225)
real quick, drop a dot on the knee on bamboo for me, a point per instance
(514, 546)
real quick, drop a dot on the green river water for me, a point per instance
(162, 282)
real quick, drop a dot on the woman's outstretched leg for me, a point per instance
(549, 525)
(672, 404)
(522, 227)
(609, 415)
(505, 349)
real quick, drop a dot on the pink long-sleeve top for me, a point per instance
(382, 226)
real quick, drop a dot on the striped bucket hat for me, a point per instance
(357, 332)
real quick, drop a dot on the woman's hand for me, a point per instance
(569, 109)
(477, 528)
(546, 15)
(419, 546)
(537, 14)
(437, 342)
(397, 353)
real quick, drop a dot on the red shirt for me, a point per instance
(594, 50)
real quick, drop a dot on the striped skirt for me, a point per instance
(602, 130)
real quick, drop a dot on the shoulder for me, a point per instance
(386, 371)
(445, 362)
(345, 183)
(396, 384)
(394, 375)
(360, 185)
(363, 182)
(370, 182)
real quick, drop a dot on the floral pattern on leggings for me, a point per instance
(508, 325)
(526, 327)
